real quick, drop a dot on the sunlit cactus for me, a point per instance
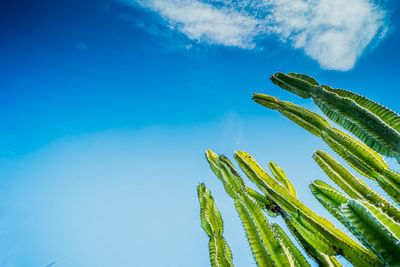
(211, 221)
(362, 158)
(371, 218)
(374, 124)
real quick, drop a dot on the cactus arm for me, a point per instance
(296, 255)
(389, 223)
(352, 185)
(264, 202)
(385, 114)
(211, 222)
(376, 228)
(261, 256)
(373, 124)
(367, 225)
(362, 123)
(311, 235)
(272, 245)
(362, 158)
(310, 121)
(323, 260)
(212, 161)
(264, 229)
(362, 153)
(295, 83)
(280, 176)
(257, 228)
(348, 247)
(330, 198)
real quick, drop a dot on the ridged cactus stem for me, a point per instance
(211, 222)
(352, 185)
(321, 259)
(266, 247)
(362, 158)
(298, 258)
(338, 240)
(373, 227)
(376, 125)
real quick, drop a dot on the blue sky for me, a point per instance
(108, 106)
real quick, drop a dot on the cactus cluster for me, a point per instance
(371, 218)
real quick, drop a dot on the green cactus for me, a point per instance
(352, 185)
(211, 222)
(369, 216)
(258, 229)
(362, 158)
(320, 258)
(371, 225)
(375, 125)
(375, 229)
(280, 176)
(298, 258)
(343, 244)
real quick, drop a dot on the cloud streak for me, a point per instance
(334, 33)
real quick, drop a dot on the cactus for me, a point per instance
(352, 185)
(371, 225)
(211, 222)
(298, 258)
(362, 158)
(375, 125)
(372, 219)
(266, 247)
(375, 229)
(320, 258)
(290, 205)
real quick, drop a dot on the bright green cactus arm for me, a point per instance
(211, 222)
(280, 176)
(298, 258)
(212, 161)
(272, 245)
(374, 124)
(335, 202)
(249, 225)
(311, 235)
(346, 246)
(260, 254)
(362, 158)
(264, 202)
(359, 156)
(323, 260)
(352, 185)
(310, 121)
(367, 224)
(387, 221)
(330, 198)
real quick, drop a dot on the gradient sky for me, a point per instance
(108, 106)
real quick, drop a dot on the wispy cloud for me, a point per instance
(335, 33)
(80, 46)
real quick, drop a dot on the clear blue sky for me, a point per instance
(108, 106)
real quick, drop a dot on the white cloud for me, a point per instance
(335, 33)
(206, 23)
